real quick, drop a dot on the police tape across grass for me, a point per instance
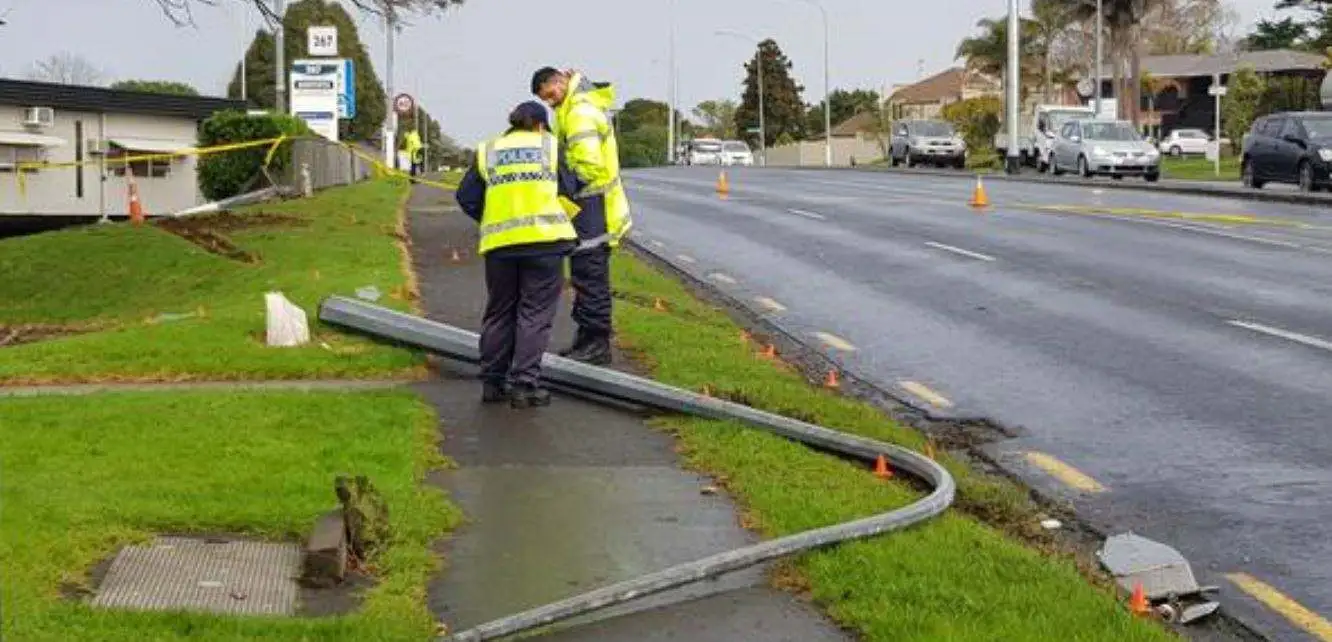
(953, 578)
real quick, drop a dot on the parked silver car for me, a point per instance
(926, 141)
(1104, 148)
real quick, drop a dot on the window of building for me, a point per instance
(141, 164)
(12, 155)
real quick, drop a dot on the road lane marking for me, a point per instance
(814, 215)
(770, 304)
(835, 342)
(957, 250)
(921, 390)
(685, 258)
(1069, 475)
(1284, 334)
(1313, 623)
(656, 243)
(722, 278)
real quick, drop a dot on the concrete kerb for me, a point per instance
(1080, 533)
(1218, 191)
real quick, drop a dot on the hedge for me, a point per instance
(226, 174)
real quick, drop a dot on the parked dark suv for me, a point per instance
(1293, 147)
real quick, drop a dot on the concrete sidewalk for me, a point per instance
(575, 496)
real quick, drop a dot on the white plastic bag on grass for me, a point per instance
(287, 325)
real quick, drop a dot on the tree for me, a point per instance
(181, 12)
(783, 109)
(1123, 21)
(371, 103)
(1050, 21)
(1239, 107)
(717, 118)
(641, 111)
(1285, 33)
(440, 147)
(156, 87)
(1186, 26)
(644, 146)
(67, 69)
(845, 104)
(987, 52)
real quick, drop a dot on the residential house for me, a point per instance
(62, 141)
(927, 98)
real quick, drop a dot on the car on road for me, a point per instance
(736, 152)
(704, 151)
(1097, 147)
(1292, 147)
(1185, 141)
(926, 141)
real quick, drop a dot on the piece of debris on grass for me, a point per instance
(708, 490)
(1051, 524)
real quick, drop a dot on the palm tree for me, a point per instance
(1052, 18)
(1123, 21)
(987, 53)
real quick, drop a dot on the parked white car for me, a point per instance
(705, 151)
(736, 152)
(1185, 141)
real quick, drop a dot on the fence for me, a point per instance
(323, 163)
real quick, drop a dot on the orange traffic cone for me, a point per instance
(831, 381)
(135, 207)
(881, 469)
(770, 352)
(658, 305)
(723, 185)
(978, 197)
(1138, 601)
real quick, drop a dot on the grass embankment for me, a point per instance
(85, 476)
(954, 578)
(146, 304)
(1197, 168)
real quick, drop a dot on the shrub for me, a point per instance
(226, 174)
(643, 147)
(976, 119)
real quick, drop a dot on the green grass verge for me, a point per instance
(117, 280)
(85, 476)
(954, 578)
(1197, 168)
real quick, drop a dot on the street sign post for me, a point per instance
(1216, 90)
(321, 41)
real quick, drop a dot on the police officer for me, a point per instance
(514, 192)
(411, 143)
(588, 140)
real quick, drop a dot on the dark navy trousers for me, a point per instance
(589, 272)
(523, 294)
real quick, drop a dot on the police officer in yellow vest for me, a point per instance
(517, 191)
(588, 139)
(411, 143)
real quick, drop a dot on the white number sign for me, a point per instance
(322, 41)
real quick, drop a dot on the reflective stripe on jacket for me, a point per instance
(522, 204)
(592, 150)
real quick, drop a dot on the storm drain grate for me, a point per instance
(219, 576)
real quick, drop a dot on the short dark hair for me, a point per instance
(541, 77)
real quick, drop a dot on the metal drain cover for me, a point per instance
(219, 576)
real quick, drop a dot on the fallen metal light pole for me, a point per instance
(461, 345)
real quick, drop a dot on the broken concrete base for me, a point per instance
(325, 563)
(1165, 576)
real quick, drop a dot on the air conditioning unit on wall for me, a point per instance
(38, 117)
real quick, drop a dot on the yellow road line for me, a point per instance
(770, 304)
(921, 390)
(1069, 475)
(834, 341)
(1228, 219)
(1315, 624)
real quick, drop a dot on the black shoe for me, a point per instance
(579, 343)
(529, 397)
(596, 352)
(494, 393)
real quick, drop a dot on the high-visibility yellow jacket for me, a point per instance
(592, 151)
(522, 203)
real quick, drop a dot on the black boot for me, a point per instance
(529, 396)
(494, 392)
(579, 343)
(596, 352)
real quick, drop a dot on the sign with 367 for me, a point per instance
(321, 41)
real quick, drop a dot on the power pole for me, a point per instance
(280, 42)
(391, 121)
(1014, 158)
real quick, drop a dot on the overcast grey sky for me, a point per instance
(473, 64)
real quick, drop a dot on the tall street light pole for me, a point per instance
(279, 57)
(763, 131)
(1014, 160)
(670, 91)
(1100, 29)
(391, 119)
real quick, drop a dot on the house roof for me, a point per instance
(99, 99)
(862, 122)
(941, 86)
(1184, 66)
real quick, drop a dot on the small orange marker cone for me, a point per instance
(831, 381)
(135, 207)
(881, 469)
(723, 185)
(770, 352)
(658, 305)
(455, 257)
(1138, 601)
(978, 197)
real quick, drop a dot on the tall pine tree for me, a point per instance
(371, 103)
(783, 109)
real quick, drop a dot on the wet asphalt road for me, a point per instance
(1181, 363)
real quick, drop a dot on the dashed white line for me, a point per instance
(722, 278)
(924, 392)
(812, 215)
(957, 250)
(685, 258)
(835, 342)
(656, 243)
(1284, 334)
(770, 304)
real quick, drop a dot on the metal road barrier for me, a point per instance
(461, 345)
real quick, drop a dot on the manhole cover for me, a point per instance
(220, 576)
